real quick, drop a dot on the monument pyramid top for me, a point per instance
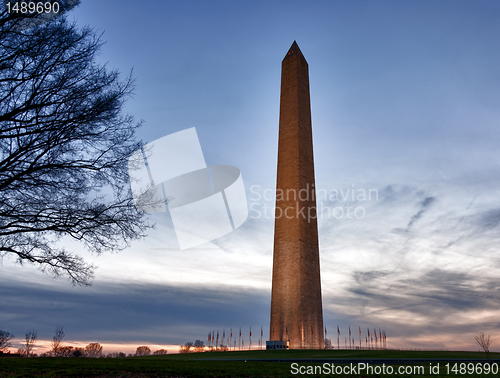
(294, 50)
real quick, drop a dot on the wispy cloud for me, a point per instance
(423, 208)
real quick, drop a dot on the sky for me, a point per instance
(404, 99)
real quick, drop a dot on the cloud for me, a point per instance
(426, 203)
(438, 297)
(365, 278)
(490, 219)
(132, 312)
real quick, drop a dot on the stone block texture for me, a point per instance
(296, 307)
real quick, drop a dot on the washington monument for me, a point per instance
(296, 309)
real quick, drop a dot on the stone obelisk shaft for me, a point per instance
(296, 308)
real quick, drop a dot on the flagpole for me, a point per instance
(326, 336)
(338, 338)
(350, 337)
(380, 334)
(261, 334)
(359, 338)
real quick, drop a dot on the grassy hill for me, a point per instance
(216, 364)
(327, 354)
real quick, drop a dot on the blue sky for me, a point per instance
(404, 99)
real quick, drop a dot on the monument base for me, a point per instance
(277, 345)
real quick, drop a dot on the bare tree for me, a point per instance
(143, 351)
(64, 148)
(31, 338)
(57, 340)
(484, 341)
(160, 352)
(93, 350)
(5, 338)
(186, 348)
(199, 346)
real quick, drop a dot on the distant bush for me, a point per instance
(160, 352)
(93, 350)
(116, 355)
(189, 347)
(199, 346)
(78, 352)
(186, 348)
(143, 351)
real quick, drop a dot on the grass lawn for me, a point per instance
(211, 364)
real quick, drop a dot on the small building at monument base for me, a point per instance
(279, 345)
